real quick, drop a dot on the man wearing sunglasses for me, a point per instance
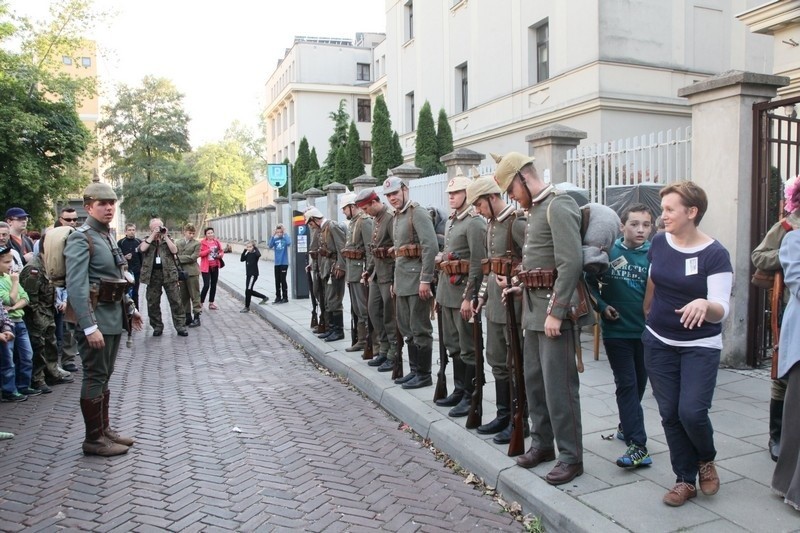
(68, 217)
(17, 220)
(65, 337)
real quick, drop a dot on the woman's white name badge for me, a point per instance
(691, 266)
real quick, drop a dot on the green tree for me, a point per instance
(444, 138)
(341, 122)
(284, 191)
(42, 140)
(313, 177)
(225, 176)
(340, 168)
(397, 152)
(354, 163)
(143, 130)
(425, 157)
(381, 139)
(301, 165)
(175, 199)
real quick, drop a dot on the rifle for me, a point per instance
(353, 316)
(518, 403)
(314, 321)
(323, 315)
(369, 352)
(441, 379)
(774, 321)
(397, 370)
(476, 403)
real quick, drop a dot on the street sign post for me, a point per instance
(277, 175)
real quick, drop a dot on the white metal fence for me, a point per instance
(661, 158)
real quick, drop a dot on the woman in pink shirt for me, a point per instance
(210, 260)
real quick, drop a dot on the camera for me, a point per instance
(162, 229)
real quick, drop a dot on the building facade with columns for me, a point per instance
(611, 68)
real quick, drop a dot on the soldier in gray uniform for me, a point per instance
(357, 255)
(188, 252)
(380, 276)
(505, 238)
(99, 307)
(160, 272)
(415, 248)
(552, 267)
(313, 267)
(460, 278)
(332, 236)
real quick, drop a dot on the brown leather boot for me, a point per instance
(107, 431)
(95, 442)
(361, 342)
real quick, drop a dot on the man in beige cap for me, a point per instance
(313, 268)
(92, 259)
(415, 248)
(505, 238)
(552, 267)
(332, 268)
(356, 254)
(380, 275)
(460, 277)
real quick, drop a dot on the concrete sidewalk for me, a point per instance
(605, 497)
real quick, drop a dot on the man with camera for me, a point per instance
(160, 272)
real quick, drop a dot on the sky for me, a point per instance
(218, 54)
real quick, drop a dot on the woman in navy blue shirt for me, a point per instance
(687, 298)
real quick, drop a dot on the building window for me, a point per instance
(366, 152)
(86, 62)
(362, 71)
(539, 64)
(410, 111)
(66, 60)
(462, 88)
(364, 110)
(291, 113)
(409, 15)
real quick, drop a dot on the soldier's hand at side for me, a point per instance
(502, 281)
(391, 290)
(466, 310)
(552, 326)
(424, 291)
(136, 321)
(95, 340)
(308, 268)
(477, 308)
(510, 293)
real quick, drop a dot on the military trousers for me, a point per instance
(414, 320)
(552, 386)
(358, 301)
(98, 365)
(334, 294)
(458, 335)
(153, 296)
(381, 313)
(42, 333)
(498, 349)
(190, 296)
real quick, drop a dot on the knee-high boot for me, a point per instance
(95, 442)
(462, 409)
(411, 348)
(107, 431)
(502, 389)
(422, 377)
(458, 385)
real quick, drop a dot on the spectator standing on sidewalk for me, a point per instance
(65, 331)
(280, 242)
(92, 258)
(687, 299)
(160, 273)
(17, 220)
(16, 363)
(619, 293)
(211, 253)
(786, 479)
(188, 252)
(251, 255)
(129, 245)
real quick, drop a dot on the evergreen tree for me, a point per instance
(444, 138)
(397, 152)
(340, 167)
(302, 163)
(284, 191)
(354, 162)
(341, 120)
(382, 148)
(312, 178)
(426, 151)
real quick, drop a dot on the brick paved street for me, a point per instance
(236, 430)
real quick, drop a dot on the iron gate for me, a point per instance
(776, 158)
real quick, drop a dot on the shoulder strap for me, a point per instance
(786, 225)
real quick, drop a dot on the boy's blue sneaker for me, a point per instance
(620, 434)
(635, 456)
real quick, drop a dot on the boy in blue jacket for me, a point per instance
(620, 295)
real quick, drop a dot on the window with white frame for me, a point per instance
(410, 111)
(364, 110)
(462, 88)
(362, 71)
(539, 52)
(409, 20)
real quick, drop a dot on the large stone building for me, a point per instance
(611, 68)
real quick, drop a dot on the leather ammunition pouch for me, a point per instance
(314, 254)
(498, 265)
(381, 253)
(111, 291)
(325, 253)
(538, 278)
(353, 254)
(584, 304)
(409, 250)
(456, 267)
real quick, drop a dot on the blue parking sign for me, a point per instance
(277, 175)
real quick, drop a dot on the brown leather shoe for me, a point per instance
(680, 494)
(709, 480)
(564, 473)
(534, 457)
